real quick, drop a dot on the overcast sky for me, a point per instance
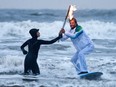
(57, 4)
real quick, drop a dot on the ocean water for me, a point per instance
(54, 60)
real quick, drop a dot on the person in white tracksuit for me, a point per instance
(81, 42)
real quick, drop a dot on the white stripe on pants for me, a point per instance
(78, 59)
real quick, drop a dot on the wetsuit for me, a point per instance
(30, 62)
(83, 45)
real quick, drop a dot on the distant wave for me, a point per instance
(56, 15)
(101, 15)
(43, 14)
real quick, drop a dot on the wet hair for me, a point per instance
(33, 32)
(74, 20)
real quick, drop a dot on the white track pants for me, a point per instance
(78, 59)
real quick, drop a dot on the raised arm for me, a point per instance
(73, 35)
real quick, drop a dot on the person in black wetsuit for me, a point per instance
(30, 63)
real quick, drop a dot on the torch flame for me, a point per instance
(71, 10)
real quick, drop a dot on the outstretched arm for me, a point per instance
(51, 41)
(22, 47)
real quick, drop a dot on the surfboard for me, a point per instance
(91, 75)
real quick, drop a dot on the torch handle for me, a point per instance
(66, 17)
